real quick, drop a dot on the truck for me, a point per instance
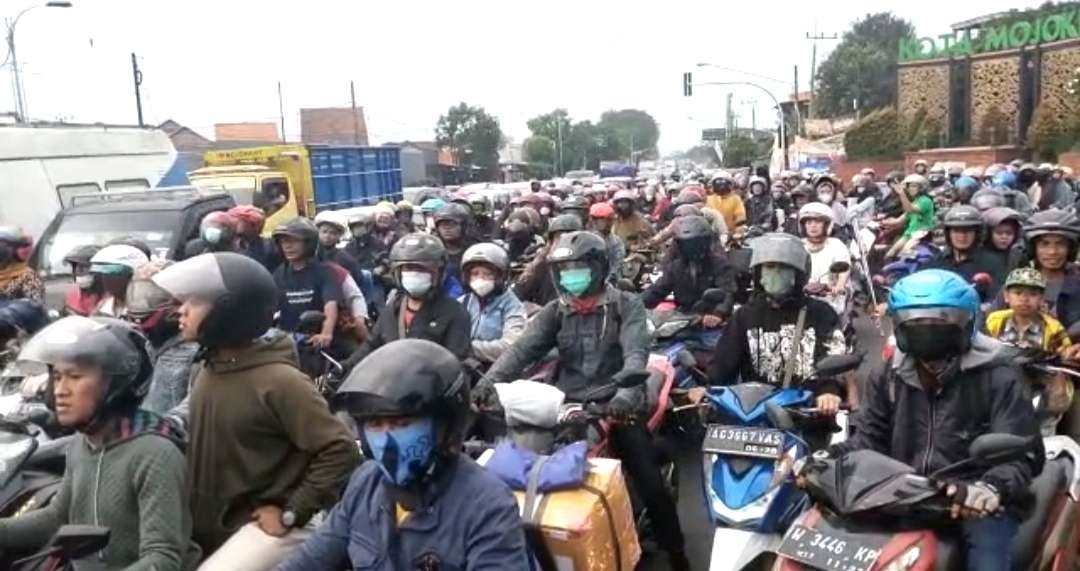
(294, 180)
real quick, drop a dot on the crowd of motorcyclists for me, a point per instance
(202, 440)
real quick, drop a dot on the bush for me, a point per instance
(922, 132)
(1047, 138)
(994, 129)
(877, 135)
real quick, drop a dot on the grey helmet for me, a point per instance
(564, 223)
(963, 216)
(779, 248)
(1053, 222)
(485, 253)
(985, 199)
(419, 249)
(998, 214)
(686, 210)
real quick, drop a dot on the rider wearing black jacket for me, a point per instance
(694, 268)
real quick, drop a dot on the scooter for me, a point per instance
(746, 459)
(875, 513)
(68, 545)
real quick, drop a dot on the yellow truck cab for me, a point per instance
(287, 181)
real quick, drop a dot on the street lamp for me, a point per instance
(779, 111)
(16, 81)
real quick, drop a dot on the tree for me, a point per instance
(628, 131)
(740, 151)
(703, 154)
(472, 135)
(539, 152)
(876, 135)
(863, 67)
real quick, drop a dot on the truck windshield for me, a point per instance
(156, 228)
(242, 188)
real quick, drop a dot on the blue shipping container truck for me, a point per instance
(348, 176)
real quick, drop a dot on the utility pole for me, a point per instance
(729, 120)
(813, 62)
(281, 111)
(355, 119)
(558, 138)
(136, 74)
(795, 100)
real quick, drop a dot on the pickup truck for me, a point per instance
(288, 181)
(165, 218)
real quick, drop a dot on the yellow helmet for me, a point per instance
(405, 204)
(387, 204)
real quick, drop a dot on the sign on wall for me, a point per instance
(1011, 34)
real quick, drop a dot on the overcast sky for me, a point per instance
(219, 61)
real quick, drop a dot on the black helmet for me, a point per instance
(109, 344)
(984, 200)
(998, 214)
(241, 291)
(300, 228)
(693, 236)
(422, 250)
(81, 254)
(564, 223)
(575, 202)
(963, 216)
(586, 247)
(455, 212)
(1052, 222)
(411, 377)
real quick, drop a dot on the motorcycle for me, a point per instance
(874, 512)
(325, 371)
(68, 545)
(746, 458)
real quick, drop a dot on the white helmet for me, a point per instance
(331, 218)
(115, 258)
(816, 211)
(916, 179)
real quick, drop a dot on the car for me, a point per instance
(164, 218)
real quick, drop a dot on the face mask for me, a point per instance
(85, 281)
(416, 284)
(777, 282)
(694, 248)
(405, 453)
(212, 235)
(825, 196)
(575, 281)
(482, 286)
(931, 342)
(649, 195)
(545, 211)
(757, 189)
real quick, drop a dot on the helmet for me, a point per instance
(485, 253)
(973, 172)
(1028, 167)
(250, 219)
(404, 205)
(564, 223)
(1005, 179)
(938, 294)
(148, 304)
(868, 172)
(118, 259)
(601, 210)
(300, 228)
(625, 194)
(1052, 222)
(480, 204)
(109, 344)
(422, 250)
(998, 214)
(802, 189)
(779, 248)
(329, 217)
(453, 212)
(241, 291)
(219, 228)
(20, 244)
(81, 254)
(686, 210)
(985, 199)
(584, 247)
(431, 205)
(816, 211)
(386, 204)
(921, 162)
(575, 202)
(363, 218)
(894, 177)
(691, 227)
(411, 378)
(860, 180)
(758, 180)
(963, 216)
(1016, 163)
(689, 196)
(918, 180)
(967, 183)
(21, 316)
(1026, 277)
(993, 170)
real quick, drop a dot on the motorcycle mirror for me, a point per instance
(686, 359)
(837, 364)
(78, 541)
(311, 321)
(1074, 331)
(998, 447)
(779, 416)
(839, 267)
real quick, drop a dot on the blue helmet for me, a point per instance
(966, 183)
(22, 315)
(939, 294)
(1006, 179)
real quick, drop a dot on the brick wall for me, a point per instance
(1071, 160)
(333, 126)
(846, 169)
(971, 156)
(246, 132)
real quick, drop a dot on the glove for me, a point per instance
(626, 402)
(484, 396)
(978, 497)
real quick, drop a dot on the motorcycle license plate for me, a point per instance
(743, 441)
(826, 547)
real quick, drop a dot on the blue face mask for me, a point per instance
(575, 281)
(404, 453)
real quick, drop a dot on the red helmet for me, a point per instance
(601, 210)
(251, 219)
(219, 227)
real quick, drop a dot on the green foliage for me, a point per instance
(585, 144)
(862, 67)
(921, 132)
(473, 136)
(877, 135)
(1047, 138)
(995, 129)
(703, 154)
(742, 151)
(626, 131)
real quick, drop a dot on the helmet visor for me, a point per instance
(98, 342)
(195, 278)
(950, 315)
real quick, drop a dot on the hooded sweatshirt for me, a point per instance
(134, 485)
(261, 435)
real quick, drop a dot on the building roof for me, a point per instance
(183, 136)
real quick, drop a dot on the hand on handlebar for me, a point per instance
(484, 396)
(828, 404)
(625, 404)
(972, 501)
(321, 341)
(711, 321)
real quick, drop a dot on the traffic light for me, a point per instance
(687, 84)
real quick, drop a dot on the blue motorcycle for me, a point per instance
(747, 464)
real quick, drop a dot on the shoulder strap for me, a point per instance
(529, 511)
(796, 347)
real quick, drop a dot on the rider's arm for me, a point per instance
(740, 213)
(1011, 413)
(875, 417)
(731, 351)
(634, 333)
(538, 339)
(906, 202)
(458, 333)
(159, 484)
(327, 548)
(311, 428)
(33, 529)
(376, 338)
(660, 289)
(514, 322)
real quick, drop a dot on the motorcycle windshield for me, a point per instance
(14, 450)
(862, 479)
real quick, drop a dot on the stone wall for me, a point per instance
(971, 156)
(995, 90)
(924, 86)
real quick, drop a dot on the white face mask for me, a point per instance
(212, 235)
(416, 284)
(825, 196)
(85, 281)
(545, 211)
(482, 286)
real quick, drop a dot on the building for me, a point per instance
(185, 139)
(981, 84)
(254, 132)
(333, 126)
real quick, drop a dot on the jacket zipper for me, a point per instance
(929, 435)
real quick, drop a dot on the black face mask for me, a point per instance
(693, 248)
(932, 341)
(624, 209)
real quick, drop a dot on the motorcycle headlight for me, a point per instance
(784, 467)
(905, 560)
